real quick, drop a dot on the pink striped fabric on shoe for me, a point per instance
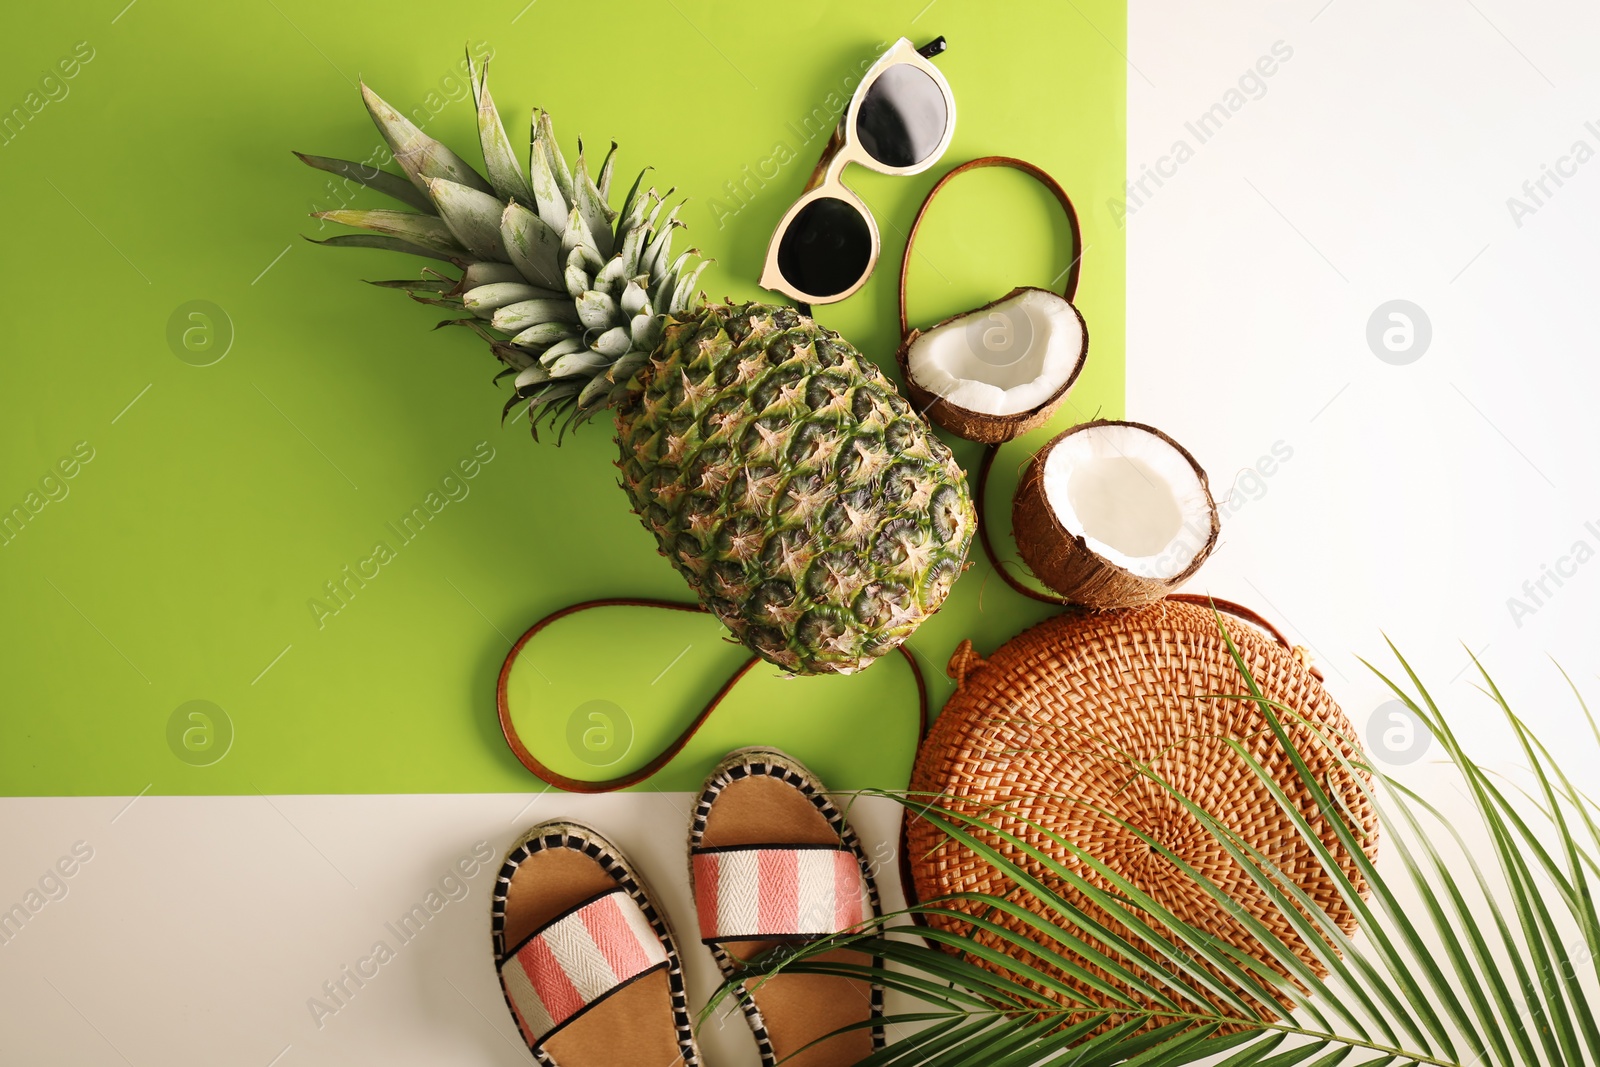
(778, 892)
(576, 960)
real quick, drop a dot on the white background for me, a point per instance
(1376, 165)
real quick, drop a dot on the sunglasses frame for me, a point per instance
(845, 148)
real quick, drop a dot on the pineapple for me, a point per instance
(810, 508)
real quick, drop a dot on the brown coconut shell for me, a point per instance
(1064, 561)
(977, 425)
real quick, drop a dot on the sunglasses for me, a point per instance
(899, 121)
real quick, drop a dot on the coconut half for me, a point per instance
(1114, 514)
(996, 372)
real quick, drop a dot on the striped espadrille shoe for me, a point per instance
(587, 962)
(773, 862)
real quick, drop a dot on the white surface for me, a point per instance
(1417, 499)
(202, 930)
(1376, 165)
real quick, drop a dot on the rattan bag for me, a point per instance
(1049, 729)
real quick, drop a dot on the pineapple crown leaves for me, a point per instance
(571, 295)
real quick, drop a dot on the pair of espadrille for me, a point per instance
(588, 962)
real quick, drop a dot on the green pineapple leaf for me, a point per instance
(390, 185)
(592, 208)
(499, 159)
(472, 216)
(514, 318)
(427, 231)
(633, 209)
(419, 155)
(603, 180)
(555, 164)
(416, 285)
(388, 244)
(533, 246)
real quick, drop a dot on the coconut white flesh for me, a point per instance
(1004, 360)
(1133, 498)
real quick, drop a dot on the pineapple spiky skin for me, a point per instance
(793, 487)
(805, 501)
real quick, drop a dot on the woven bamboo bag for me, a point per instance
(1053, 725)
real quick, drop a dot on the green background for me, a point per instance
(178, 563)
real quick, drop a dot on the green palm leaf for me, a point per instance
(1480, 963)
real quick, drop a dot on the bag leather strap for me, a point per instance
(1069, 290)
(662, 758)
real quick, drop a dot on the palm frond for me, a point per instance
(1456, 962)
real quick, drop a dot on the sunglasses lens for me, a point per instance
(903, 117)
(827, 247)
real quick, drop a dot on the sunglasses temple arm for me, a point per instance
(829, 150)
(933, 47)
